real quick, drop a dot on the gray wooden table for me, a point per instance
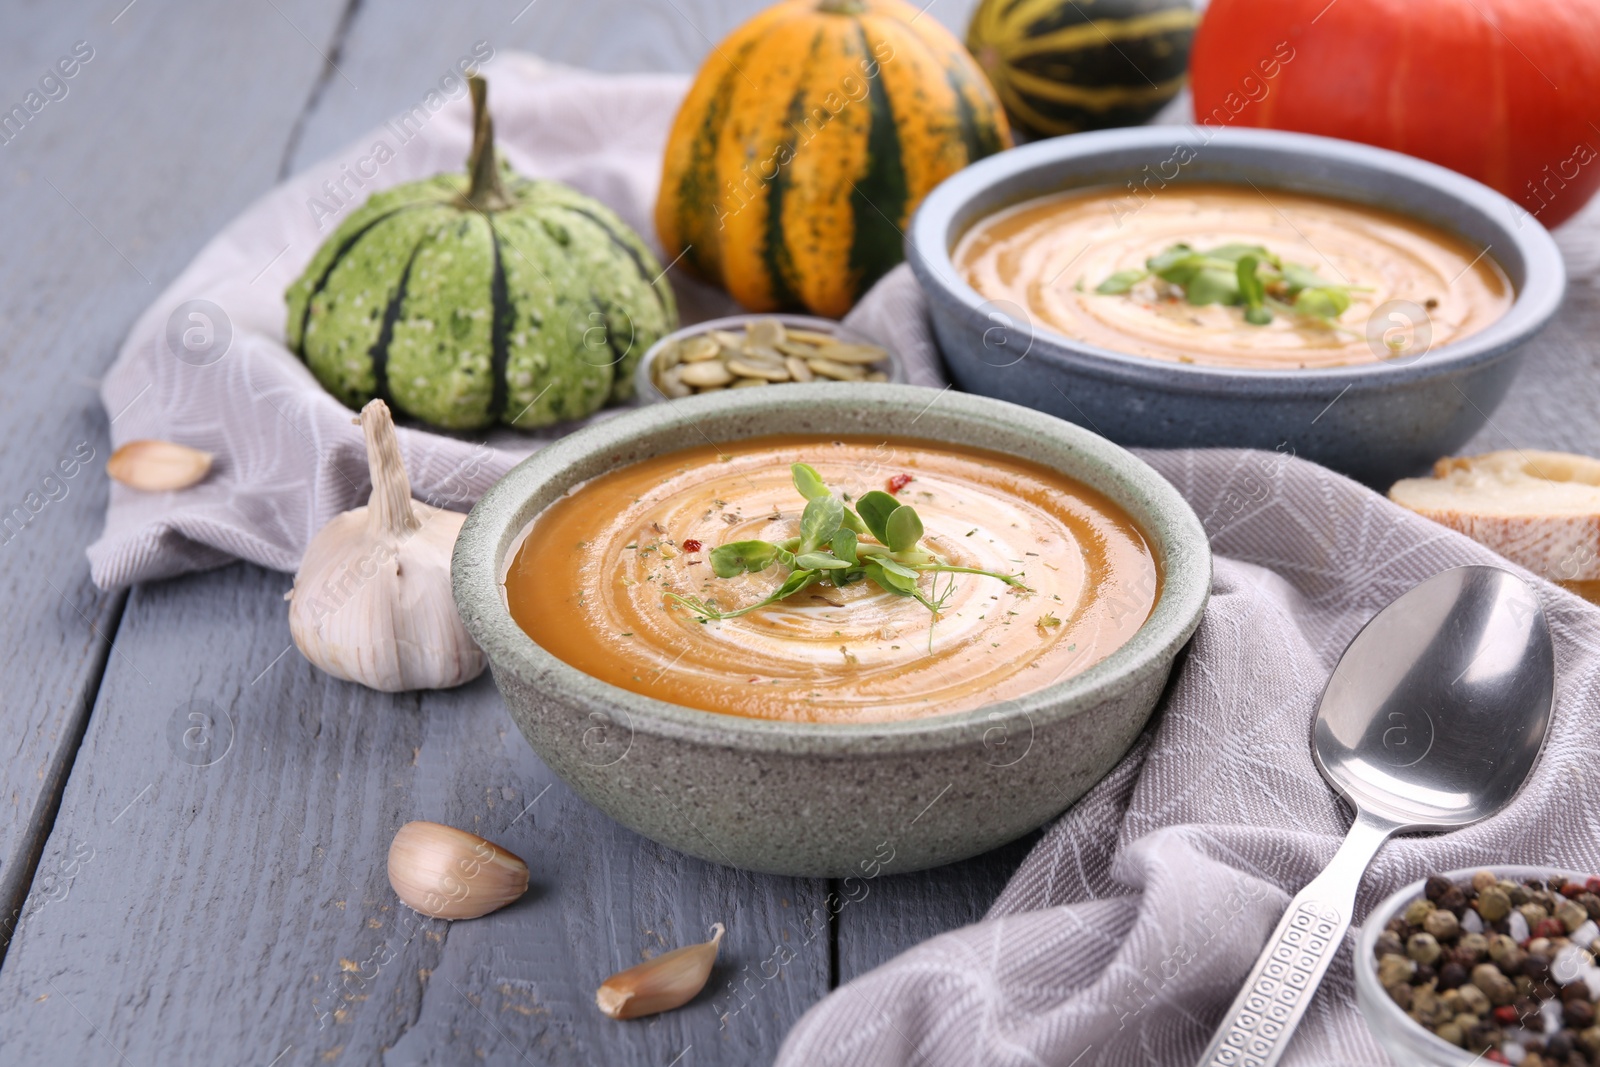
(227, 903)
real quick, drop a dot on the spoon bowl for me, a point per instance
(1437, 710)
(1433, 719)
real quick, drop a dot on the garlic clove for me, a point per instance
(158, 466)
(669, 981)
(371, 602)
(452, 874)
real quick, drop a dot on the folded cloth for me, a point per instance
(1132, 924)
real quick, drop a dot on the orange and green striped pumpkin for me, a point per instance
(808, 138)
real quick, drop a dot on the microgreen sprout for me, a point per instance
(1239, 275)
(833, 547)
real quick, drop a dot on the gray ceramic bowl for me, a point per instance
(1377, 422)
(831, 800)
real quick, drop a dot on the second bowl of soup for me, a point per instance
(1184, 287)
(812, 633)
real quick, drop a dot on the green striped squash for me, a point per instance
(470, 299)
(1062, 66)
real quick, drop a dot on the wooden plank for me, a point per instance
(397, 50)
(883, 916)
(215, 887)
(171, 121)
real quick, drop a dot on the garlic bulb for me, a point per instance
(371, 602)
(452, 874)
(669, 981)
(158, 466)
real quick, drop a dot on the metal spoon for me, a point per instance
(1432, 720)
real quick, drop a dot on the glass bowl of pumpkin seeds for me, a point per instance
(746, 351)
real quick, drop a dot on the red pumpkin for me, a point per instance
(1504, 91)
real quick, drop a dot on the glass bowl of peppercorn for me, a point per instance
(1485, 965)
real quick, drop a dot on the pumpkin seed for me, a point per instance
(672, 384)
(845, 353)
(706, 375)
(811, 337)
(765, 353)
(749, 368)
(698, 348)
(843, 372)
(764, 332)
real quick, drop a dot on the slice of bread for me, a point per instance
(1539, 509)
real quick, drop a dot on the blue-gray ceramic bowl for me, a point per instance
(1375, 422)
(819, 799)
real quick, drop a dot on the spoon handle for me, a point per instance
(1257, 1028)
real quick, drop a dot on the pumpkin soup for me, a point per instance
(778, 578)
(1234, 276)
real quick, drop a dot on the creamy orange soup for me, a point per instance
(588, 583)
(1047, 256)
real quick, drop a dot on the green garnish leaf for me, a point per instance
(1177, 256)
(1328, 302)
(732, 560)
(1121, 282)
(808, 481)
(793, 584)
(904, 529)
(1213, 285)
(895, 567)
(1243, 276)
(875, 509)
(890, 581)
(821, 519)
(1253, 291)
(844, 546)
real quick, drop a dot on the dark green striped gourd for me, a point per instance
(470, 299)
(1061, 66)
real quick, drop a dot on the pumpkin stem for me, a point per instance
(841, 7)
(485, 193)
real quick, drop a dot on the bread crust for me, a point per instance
(1538, 509)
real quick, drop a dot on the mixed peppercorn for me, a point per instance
(1506, 969)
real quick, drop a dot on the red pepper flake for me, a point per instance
(1494, 1055)
(1572, 889)
(1593, 885)
(1505, 1014)
(1549, 928)
(898, 482)
(692, 545)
